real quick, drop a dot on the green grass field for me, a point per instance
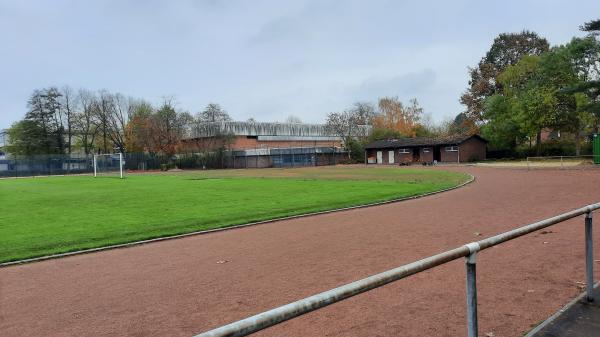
(43, 216)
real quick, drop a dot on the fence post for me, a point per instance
(334, 158)
(121, 164)
(471, 267)
(561, 162)
(589, 257)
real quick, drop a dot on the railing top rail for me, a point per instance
(272, 317)
(548, 157)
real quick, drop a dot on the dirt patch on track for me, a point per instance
(182, 287)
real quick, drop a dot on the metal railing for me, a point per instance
(469, 251)
(562, 159)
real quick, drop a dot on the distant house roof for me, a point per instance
(420, 141)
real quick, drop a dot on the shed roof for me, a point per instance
(421, 141)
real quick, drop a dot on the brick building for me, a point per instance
(249, 136)
(252, 144)
(453, 149)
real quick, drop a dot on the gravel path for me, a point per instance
(186, 286)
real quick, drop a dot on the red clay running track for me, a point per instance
(177, 288)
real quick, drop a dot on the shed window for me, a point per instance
(451, 148)
(426, 150)
(403, 151)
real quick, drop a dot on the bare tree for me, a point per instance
(69, 106)
(112, 115)
(105, 107)
(85, 120)
(120, 114)
(363, 114)
(213, 113)
(293, 119)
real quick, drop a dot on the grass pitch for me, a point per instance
(43, 216)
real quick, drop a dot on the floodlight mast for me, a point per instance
(95, 173)
(121, 164)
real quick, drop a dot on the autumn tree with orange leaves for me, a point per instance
(157, 130)
(394, 115)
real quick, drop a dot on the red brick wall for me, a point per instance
(244, 143)
(398, 157)
(404, 157)
(471, 149)
(385, 154)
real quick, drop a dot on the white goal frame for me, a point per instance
(109, 154)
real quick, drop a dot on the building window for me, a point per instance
(426, 150)
(451, 148)
(403, 151)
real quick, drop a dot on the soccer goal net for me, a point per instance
(109, 165)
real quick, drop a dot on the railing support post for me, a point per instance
(589, 257)
(471, 267)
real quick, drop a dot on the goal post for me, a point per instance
(110, 164)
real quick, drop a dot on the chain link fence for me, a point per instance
(61, 164)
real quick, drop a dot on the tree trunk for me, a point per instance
(538, 143)
(104, 136)
(69, 129)
(85, 144)
(577, 143)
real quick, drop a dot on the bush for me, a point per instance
(502, 154)
(381, 134)
(166, 167)
(357, 151)
(554, 148)
(189, 161)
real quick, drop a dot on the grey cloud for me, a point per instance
(405, 86)
(263, 58)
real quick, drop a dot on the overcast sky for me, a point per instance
(264, 59)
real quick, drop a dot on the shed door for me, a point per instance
(391, 157)
(379, 157)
